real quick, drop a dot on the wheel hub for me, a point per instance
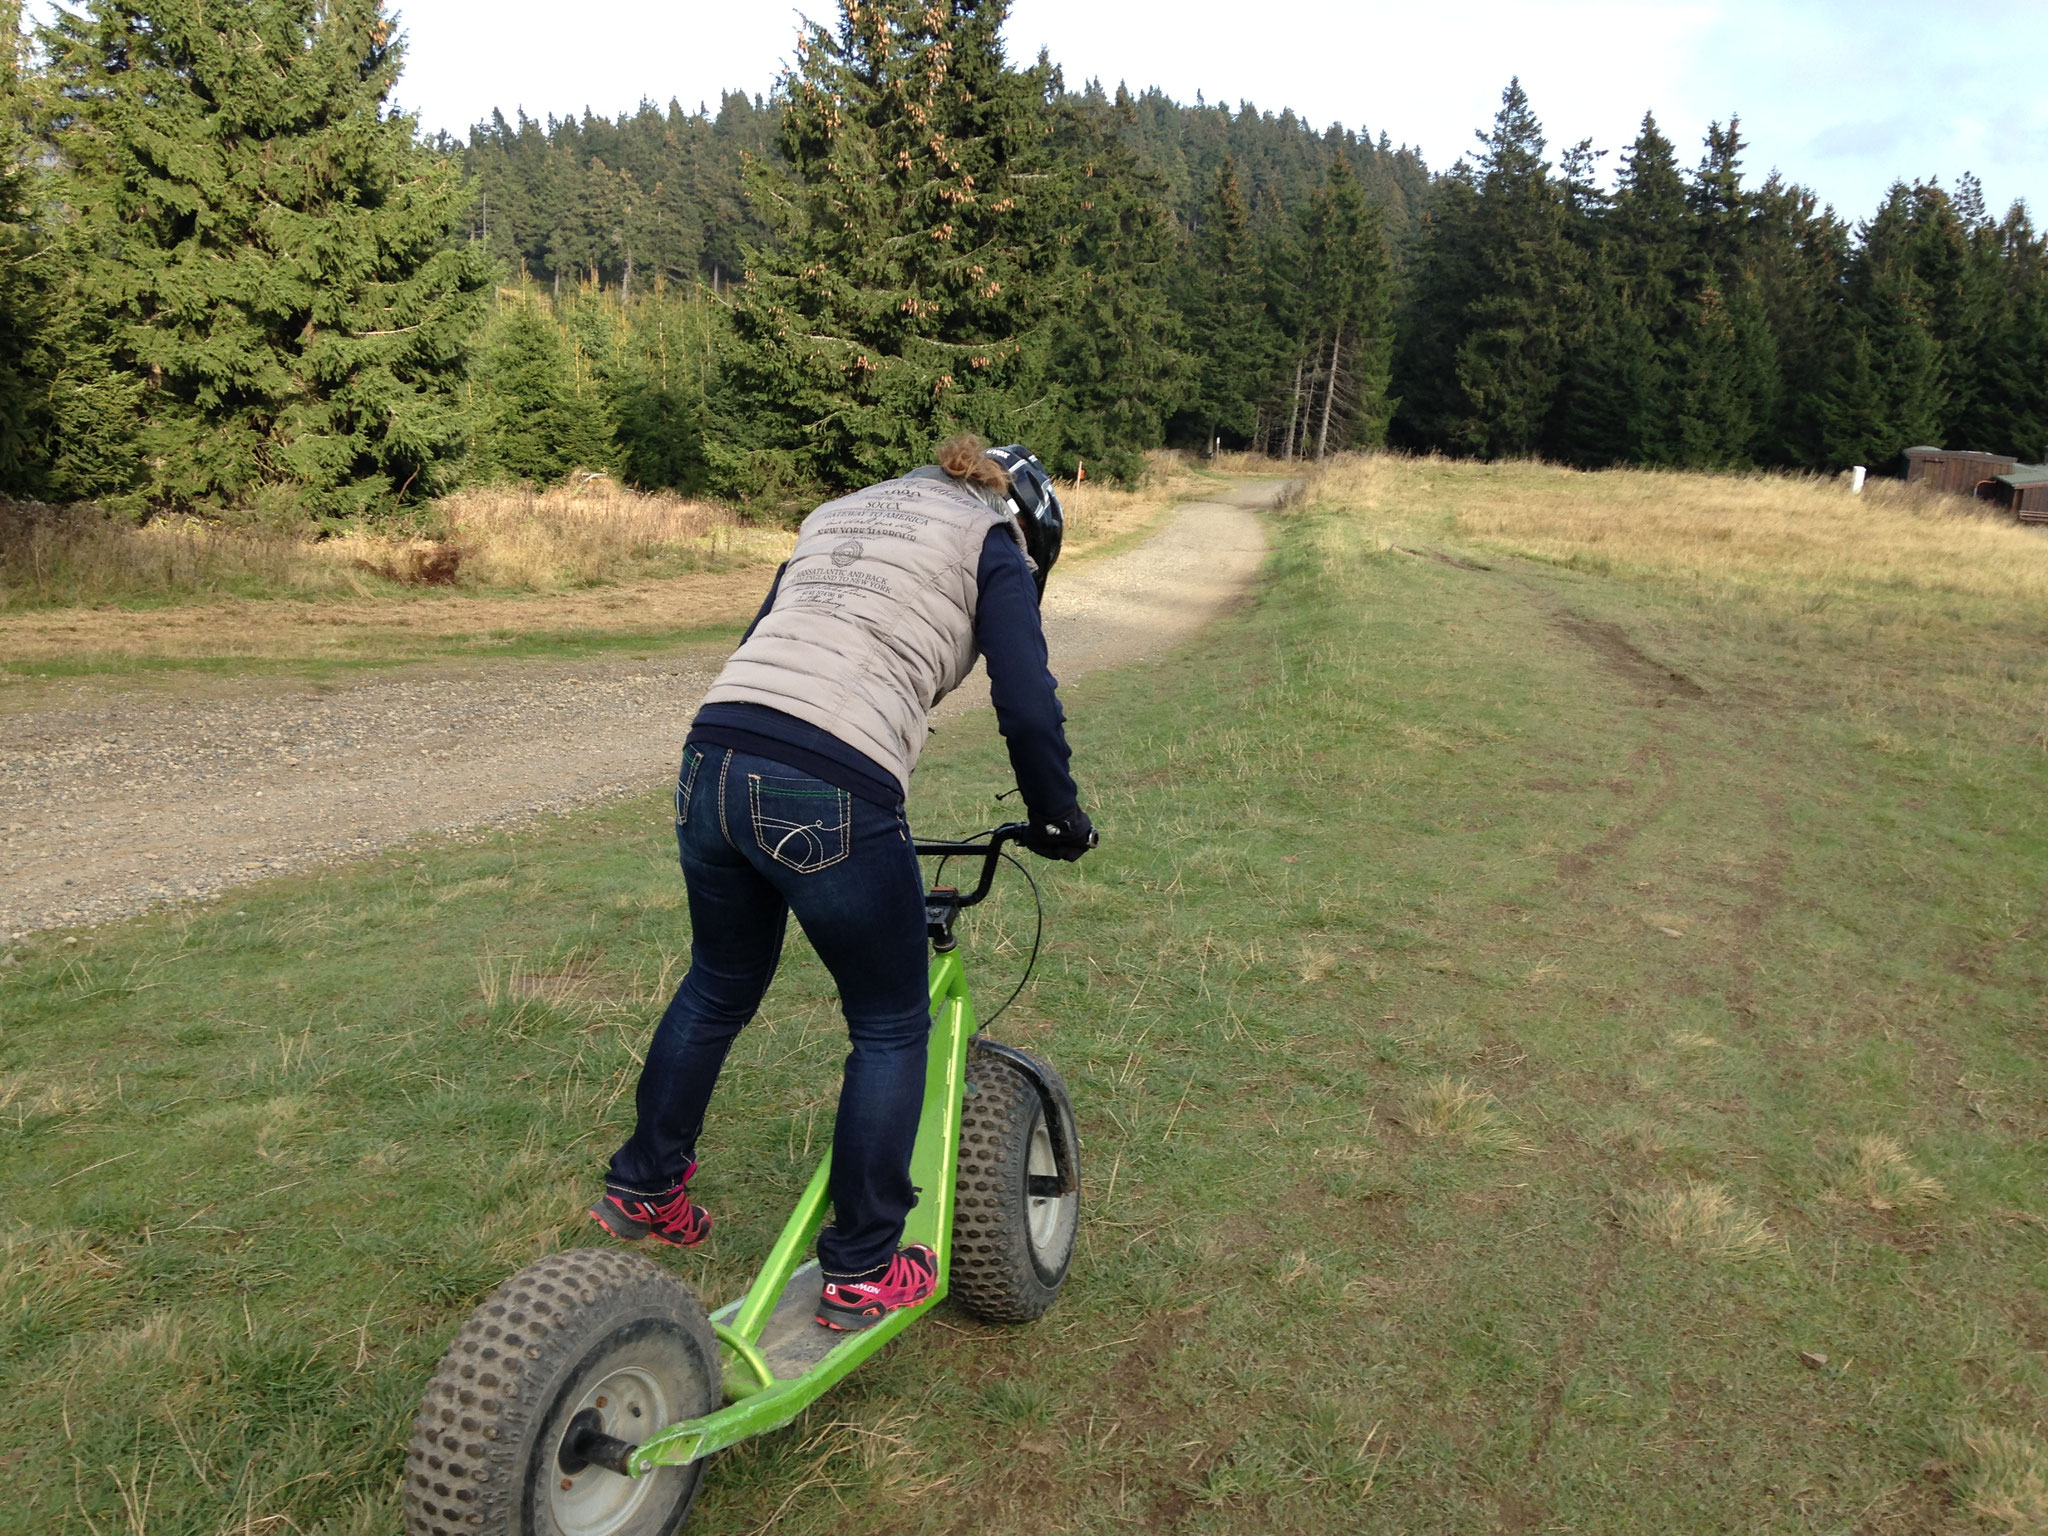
(627, 1404)
(1042, 1212)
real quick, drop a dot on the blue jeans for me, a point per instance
(760, 840)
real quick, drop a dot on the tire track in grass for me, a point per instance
(1575, 865)
(1521, 1508)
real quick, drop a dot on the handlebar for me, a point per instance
(989, 845)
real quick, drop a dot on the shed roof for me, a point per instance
(2024, 474)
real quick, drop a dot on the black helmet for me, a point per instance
(1036, 506)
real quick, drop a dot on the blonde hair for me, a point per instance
(965, 457)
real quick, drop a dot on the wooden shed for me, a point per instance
(1958, 473)
(2024, 489)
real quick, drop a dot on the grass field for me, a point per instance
(1557, 1022)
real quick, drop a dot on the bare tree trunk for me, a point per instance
(626, 287)
(1329, 394)
(1294, 403)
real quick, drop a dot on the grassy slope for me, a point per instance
(1480, 1037)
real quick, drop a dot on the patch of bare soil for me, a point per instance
(1620, 655)
(1455, 562)
(114, 801)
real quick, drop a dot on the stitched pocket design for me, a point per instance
(799, 823)
(685, 782)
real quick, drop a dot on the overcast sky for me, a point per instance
(1843, 95)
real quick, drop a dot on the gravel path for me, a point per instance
(129, 800)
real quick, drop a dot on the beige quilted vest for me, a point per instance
(874, 621)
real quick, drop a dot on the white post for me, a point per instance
(1856, 480)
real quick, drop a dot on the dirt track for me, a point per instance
(127, 800)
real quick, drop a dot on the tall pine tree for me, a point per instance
(1885, 392)
(924, 225)
(1226, 317)
(2012, 395)
(1724, 366)
(259, 252)
(1117, 356)
(1346, 339)
(1615, 405)
(1797, 252)
(21, 341)
(1498, 292)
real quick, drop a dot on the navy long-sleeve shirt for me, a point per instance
(1021, 687)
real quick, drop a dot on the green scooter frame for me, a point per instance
(758, 1398)
(520, 1431)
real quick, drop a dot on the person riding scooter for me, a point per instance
(791, 799)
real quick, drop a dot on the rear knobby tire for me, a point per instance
(1011, 1247)
(577, 1326)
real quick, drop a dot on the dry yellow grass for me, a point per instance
(1453, 1110)
(2005, 1480)
(1700, 1218)
(1796, 529)
(596, 557)
(53, 556)
(592, 556)
(498, 538)
(1875, 1171)
(523, 539)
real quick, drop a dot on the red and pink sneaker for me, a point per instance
(849, 1304)
(630, 1215)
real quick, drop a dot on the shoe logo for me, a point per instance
(847, 553)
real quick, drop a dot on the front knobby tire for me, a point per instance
(1013, 1233)
(592, 1328)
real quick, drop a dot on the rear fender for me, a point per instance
(1059, 1109)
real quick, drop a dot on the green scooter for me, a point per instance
(586, 1394)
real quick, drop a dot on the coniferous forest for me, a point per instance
(235, 280)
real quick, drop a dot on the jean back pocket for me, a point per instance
(686, 780)
(800, 823)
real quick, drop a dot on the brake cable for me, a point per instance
(1037, 931)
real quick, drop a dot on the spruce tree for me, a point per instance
(1117, 355)
(2014, 362)
(1291, 315)
(1959, 269)
(259, 253)
(1797, 253)
(922, 241)
(22, 349)
(1347, 289)
(534, 421)
(1724, 363)
(1443, 280)
(1499, 290)
(1615, 405)
(1654, 241)
(1225, 315)
(1885, 394)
